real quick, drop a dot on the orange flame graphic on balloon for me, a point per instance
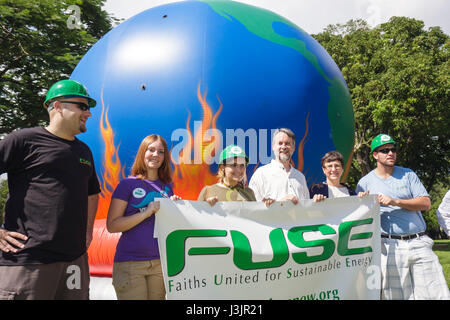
(188, 178)
(347, 167)
(301, 146)
(113, 170)
(103, 245)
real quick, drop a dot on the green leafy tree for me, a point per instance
(397, 74)
(41, 41)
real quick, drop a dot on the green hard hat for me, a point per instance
(68, 89)
(380, 140)
(232, 151)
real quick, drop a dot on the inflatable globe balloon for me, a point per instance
(204, 75)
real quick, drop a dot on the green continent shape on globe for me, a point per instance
(259, 21)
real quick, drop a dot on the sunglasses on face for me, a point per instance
(387, 150)
(81, 105)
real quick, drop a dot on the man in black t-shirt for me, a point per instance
(50, 213)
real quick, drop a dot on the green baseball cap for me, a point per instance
(231, 152)
(380, 140)
(68, 89)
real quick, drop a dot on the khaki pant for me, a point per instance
(53, 281)
(138, 280)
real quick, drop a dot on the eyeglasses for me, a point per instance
(330, 167)
(81, 105)
(387, 150)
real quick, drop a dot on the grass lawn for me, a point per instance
(442, 250)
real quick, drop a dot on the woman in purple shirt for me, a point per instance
(137, 273)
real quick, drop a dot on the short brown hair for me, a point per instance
(332, 156)
(139, 168)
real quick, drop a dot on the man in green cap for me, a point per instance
(50, 212)
(409, 268)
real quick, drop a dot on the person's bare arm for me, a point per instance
(117, 222)
(415, 204)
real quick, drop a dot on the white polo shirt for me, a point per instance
(272, 181)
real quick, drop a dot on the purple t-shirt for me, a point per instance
(138, 244)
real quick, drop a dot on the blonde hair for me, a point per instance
(139, 168)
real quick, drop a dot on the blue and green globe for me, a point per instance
(231, 71)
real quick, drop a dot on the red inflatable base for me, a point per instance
(102, 249)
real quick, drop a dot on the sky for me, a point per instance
(315, 15)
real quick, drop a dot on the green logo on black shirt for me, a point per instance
(84, 161)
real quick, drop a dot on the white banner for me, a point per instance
(244, 250)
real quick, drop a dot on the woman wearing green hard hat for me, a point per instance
(232, 179)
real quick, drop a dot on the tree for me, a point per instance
(397, 74)
(41, 42)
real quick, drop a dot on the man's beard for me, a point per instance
(284, 157)
(82, 128)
